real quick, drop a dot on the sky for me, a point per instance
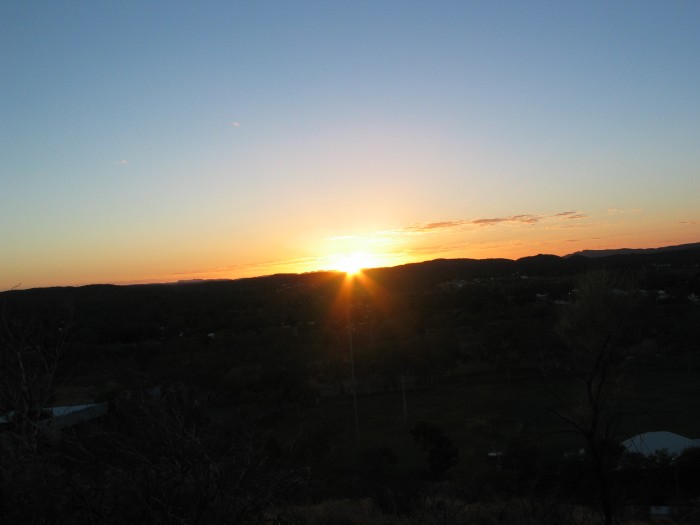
(162, 141)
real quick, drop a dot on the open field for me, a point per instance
(488, 411)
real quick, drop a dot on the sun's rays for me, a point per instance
(358, 287)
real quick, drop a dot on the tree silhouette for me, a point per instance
(593, 328)
(30, 348)
(442, 454)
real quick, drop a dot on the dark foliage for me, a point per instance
(157, 462)
(442, 455)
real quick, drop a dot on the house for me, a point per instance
(649, 443)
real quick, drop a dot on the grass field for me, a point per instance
(486, 412)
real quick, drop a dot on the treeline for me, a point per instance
(421, 320)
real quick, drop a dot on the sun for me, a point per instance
(353, 263)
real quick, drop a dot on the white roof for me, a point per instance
(66, 415)
(65, 410)
(651, 442)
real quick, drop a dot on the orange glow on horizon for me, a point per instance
(351, 254)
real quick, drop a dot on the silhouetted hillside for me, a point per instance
(636, 251)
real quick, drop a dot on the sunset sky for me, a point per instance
(159, 141)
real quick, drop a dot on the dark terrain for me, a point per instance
(477, 384)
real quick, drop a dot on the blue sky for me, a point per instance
(151, 141)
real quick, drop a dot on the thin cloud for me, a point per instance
(236, 124)
(571, 215)
(434, 226)
(571, 219)
(462, 224)
(524, 219)
(689, 223)
(489, 221)
(443, 225)
(561, 220)
(123, 162)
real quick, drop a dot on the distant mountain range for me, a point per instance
(543, 265)
(632, 251)
(411, 275)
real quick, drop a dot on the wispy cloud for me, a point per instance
(412, 241)
(235, 124)
(525, 219)
(689, 223)
(434, 226)
(560, 220)
(571, 215)
(442, 226)
(123, 162)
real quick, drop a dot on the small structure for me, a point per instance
(649, 443)
(58, 418)
(68, 416)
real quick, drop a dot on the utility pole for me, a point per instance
(403, 395)
(352, 372)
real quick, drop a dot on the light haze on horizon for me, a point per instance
(159, 141)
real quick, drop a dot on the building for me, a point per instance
(649, 443)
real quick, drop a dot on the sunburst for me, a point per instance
(354, 263)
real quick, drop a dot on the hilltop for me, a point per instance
(632, 251)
